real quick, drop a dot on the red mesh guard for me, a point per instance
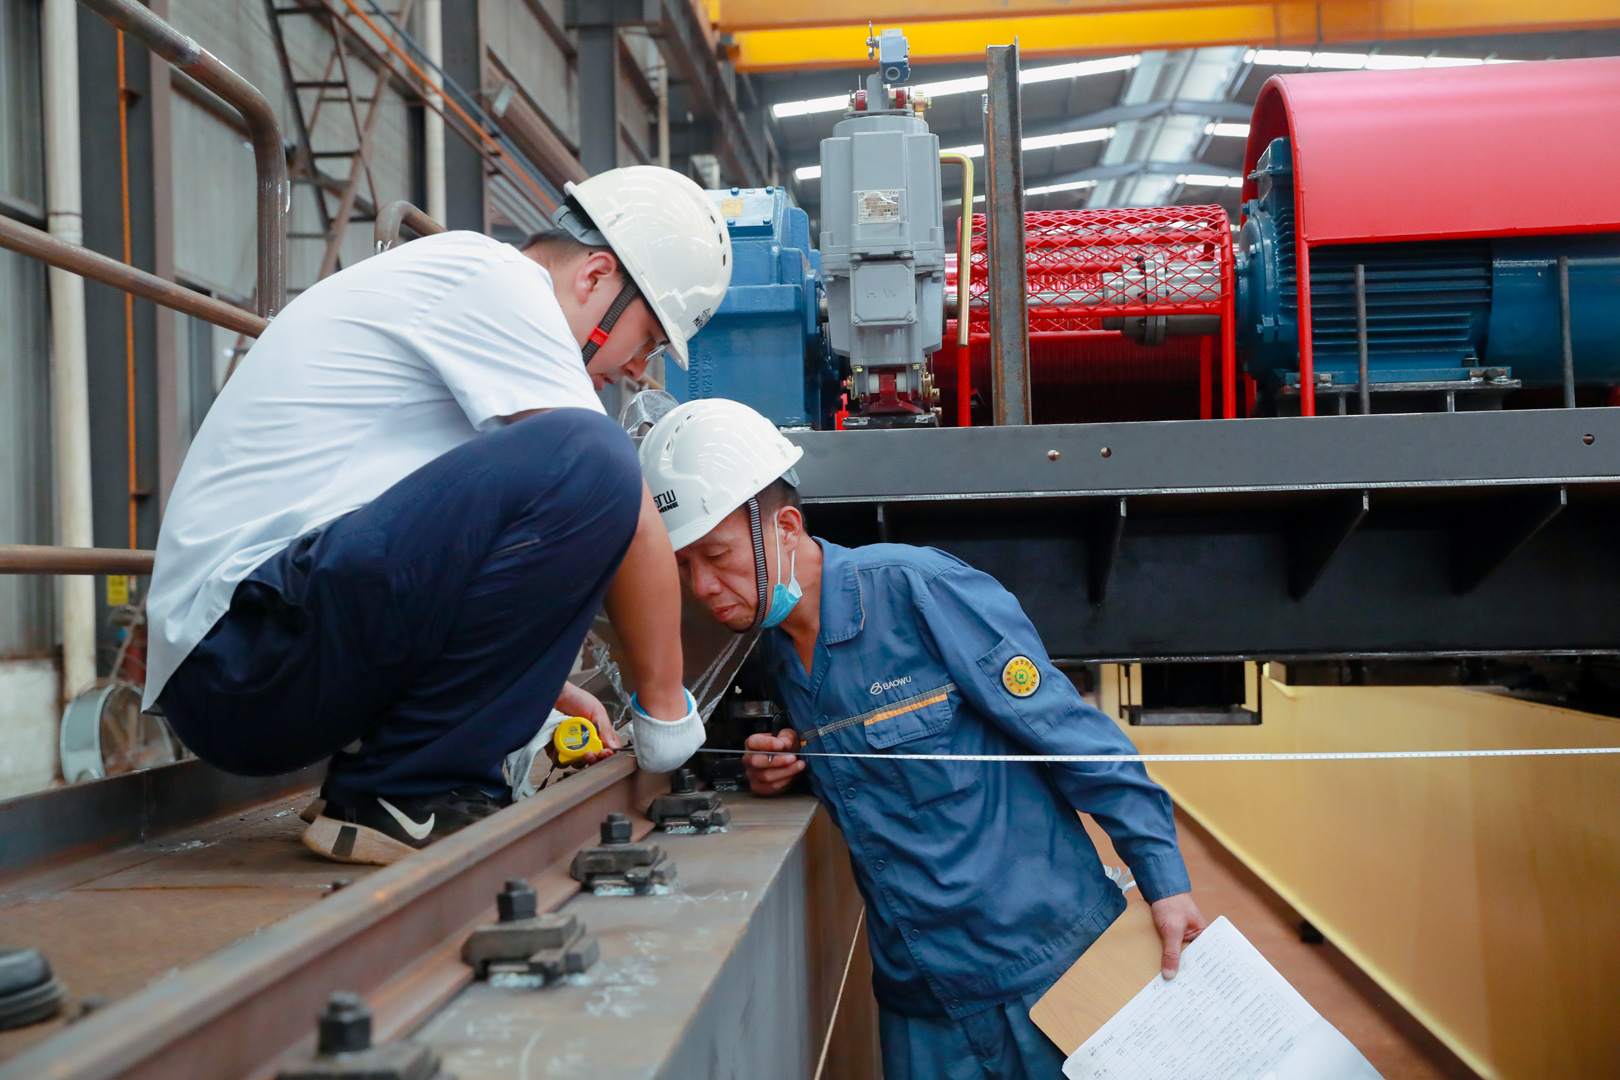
(1087, 264)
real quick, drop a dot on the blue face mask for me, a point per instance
(783, 597)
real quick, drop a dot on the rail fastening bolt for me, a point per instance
(616, 829)
(344, 1025)
(516, 901)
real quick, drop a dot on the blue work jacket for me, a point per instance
(980, 882)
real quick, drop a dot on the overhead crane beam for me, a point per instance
(833, 33)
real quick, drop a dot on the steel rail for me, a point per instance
(269, 154)
(235, 1013)
(43, 559)
(398, 213)
(41, 245)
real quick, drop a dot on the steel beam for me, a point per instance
(233, 1014)
(1486, 535)
(834, 35)
(78, 820)
(688, 45)
(1401, 534)
(596, 24)
(464, 163)
(1317, 535)
(1004, 234)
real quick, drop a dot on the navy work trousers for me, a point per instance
(435, 624)
(998, 1043)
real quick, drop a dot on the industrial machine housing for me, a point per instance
(1416, 532)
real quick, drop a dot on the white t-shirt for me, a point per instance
(363, 379)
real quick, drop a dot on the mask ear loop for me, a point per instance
(760, 576)
(599, 336)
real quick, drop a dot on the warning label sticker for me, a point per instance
(877, 206)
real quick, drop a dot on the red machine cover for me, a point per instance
(1493, 150)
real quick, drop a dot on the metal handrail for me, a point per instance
(269, 154)
(397, 213)
(43, 559)
(41, 245)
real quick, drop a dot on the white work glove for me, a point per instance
(520, 762)
(664, 745)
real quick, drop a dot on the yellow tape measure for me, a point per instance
(574, 738)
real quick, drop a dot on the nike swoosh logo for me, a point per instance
(412, 829)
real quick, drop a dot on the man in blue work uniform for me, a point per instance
(982, 887)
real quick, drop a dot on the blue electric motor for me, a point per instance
(1478, 311)
(764, 345)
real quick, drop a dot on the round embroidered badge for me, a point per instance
(1021, 677)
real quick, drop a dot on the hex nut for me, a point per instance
(344, 1026)
(516, 901)
(616, 829)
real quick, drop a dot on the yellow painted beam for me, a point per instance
(735, 15)
(1287, 23)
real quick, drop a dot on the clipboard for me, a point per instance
(1107, 976)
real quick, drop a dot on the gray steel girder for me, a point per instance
(1480, 533)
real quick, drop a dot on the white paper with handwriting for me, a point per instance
(1227, 1015)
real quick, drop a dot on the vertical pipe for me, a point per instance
(1307, 360)
(124, 97)
(1563, 330)
(433, 133)
(1004, 221)
(1362, 384)
(170, 447)
(1206, 378)
(69, 375)
(663, 111)
(964, 292)
(1229, 375)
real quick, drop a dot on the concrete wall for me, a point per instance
(1479, 893)
(29, 708)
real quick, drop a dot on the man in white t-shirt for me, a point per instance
(391, 533)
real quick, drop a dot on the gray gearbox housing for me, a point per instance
(883, 247)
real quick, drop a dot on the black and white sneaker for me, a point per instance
(386, 829)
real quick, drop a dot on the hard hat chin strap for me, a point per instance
(760, 577)
(599, 336)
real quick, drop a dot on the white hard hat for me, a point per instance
(706, 458)
(668, 237)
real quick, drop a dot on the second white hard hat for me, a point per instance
(669, 239)
(705, 458)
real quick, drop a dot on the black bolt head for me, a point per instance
(616, 829)
(683, 782)
(516, 901)
(344, 1025)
